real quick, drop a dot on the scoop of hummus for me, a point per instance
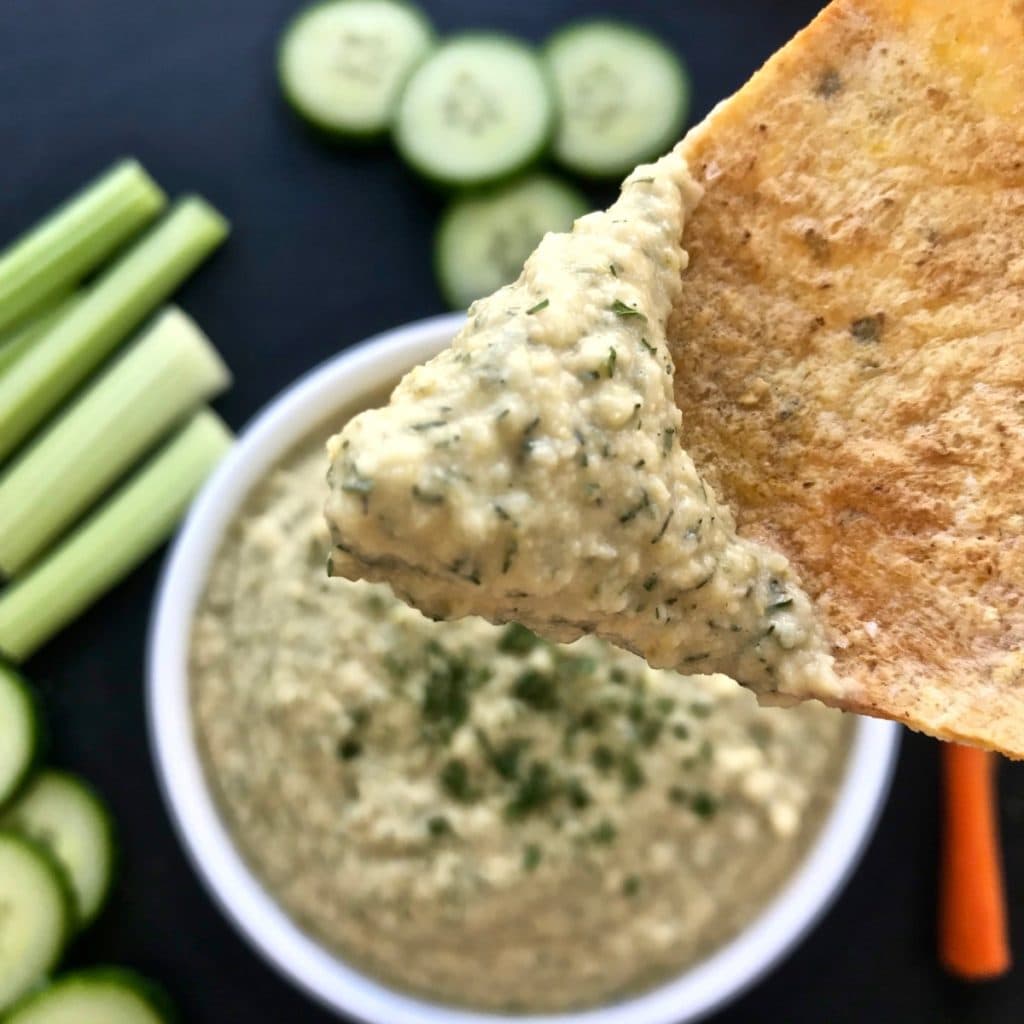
(532, 471)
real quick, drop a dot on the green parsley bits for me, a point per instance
(455, 781)
(516, 639)
(537, 690)
(438, 825)
(532, 856)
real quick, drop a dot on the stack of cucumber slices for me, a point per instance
(56, 863)
(479, 111)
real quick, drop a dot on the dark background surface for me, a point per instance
(330, 246)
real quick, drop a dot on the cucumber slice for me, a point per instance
(35, 915)
(342, 64)
(64, 814)
(21, 733)
(99, 995)
(478, 109)
(623, 97)
(484, 239)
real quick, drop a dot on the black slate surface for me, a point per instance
(330, 246)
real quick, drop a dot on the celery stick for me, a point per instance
(168, 371)
(111, 541)
(129, 290)
(75, 239)
(20, 341)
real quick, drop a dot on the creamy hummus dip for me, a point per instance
(470, 812)
(532, 472)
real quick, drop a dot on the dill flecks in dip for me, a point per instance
(473, 813)
(532, 472)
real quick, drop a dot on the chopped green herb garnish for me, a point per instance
(517, 639)
(609, 366)
(439, 826)
(619, 308)
(678, 795)
(349, 748)
(617, 675)
(777, 606)
(446, 694)
(455, 781)
(651, 582)
(631, 886)
(543, 304)
(633, 776)
(704, 805)
(700, 710)
(536, 690)
(632, 513)
(426, 496)
(429, 425)
(527, 443)
(572, 667)
(532, 855)
(647, 345)
(395, 666)
(511, 549)
(535, 790)
(680, 731)
(577, 794)
(604, 832)
(504, 759)
(664, 705)
(612, 268)
(649, 732)
(667, 440)
(603, 758)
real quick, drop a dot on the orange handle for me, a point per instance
(973, 939)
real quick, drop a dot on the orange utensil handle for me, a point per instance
(973, 939)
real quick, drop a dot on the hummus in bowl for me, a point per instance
(473, 816)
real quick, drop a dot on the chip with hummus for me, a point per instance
(532, 472)
(847, 361)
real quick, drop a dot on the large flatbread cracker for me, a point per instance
(849, 345)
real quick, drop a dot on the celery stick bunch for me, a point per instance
(101, 451)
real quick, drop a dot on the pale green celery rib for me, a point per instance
(116, 303)
(20, 341)
(112, 540)
(75, 239)
(167, 372)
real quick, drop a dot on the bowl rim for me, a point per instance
(357, 372)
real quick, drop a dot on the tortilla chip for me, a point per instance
(849, 345)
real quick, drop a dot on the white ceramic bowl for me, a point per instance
(336, 385)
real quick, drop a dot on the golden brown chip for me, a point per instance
(849, 345)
